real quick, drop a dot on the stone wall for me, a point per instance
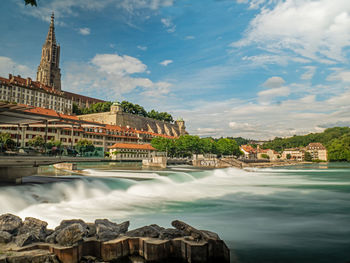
(136, 122)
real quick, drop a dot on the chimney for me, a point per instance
(10, 76)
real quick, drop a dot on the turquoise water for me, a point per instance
(292, 214)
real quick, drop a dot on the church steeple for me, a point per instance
(49, 72)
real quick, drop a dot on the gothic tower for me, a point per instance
(49, 72)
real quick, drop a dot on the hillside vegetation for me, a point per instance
(336, 140)
(127, 107)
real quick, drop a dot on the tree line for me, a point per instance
(336, 140)
(187, 145)
(127, 107)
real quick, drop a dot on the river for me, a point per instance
(290, 214)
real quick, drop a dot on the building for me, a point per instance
(294, 154)
(46, 91)
(130, 151)
(101, 135)
(26, 91)
(317, 151)
(117, 117)
(249, 152)
(267, 154)
(49, 72)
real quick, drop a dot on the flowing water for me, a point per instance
(294, 214)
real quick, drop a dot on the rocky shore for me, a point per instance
(76, 241)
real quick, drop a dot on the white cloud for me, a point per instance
(7, 66)
(143, 48)
(168, 24)
(109, 76)
(84, 31)
(274, 89)
(309, 74)
(316, 30)
(69, 8)
(166, 62)
(339, 75)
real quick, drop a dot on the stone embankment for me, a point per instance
(76, 241)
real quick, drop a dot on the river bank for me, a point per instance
(75, 241)
(295, 213)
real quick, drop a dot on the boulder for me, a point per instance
(120, 228)
(190, 230)
(146, 231)
(107, 230)
(5, 237)
(71, 235)
(65, 223)
(26, 239)
(91, 229)
(34, 226)
(170, 233)
(10, 223)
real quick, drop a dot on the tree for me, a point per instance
(289, 156)
(84, 145)
(37, 141)
(225, 146)
(6, 142)
(30, 2)
(265, 156)
(308, 157)
(339, 149)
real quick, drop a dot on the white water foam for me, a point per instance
(119, 199)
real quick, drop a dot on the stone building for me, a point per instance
(69, 134)
(49, 72)
(248, 152)
(317, 151)
(263, 153)
(116, 116)
(295, 154)
(33, 93)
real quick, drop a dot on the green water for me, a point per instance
(291, 214)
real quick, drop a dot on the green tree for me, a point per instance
(6, 142)
(84, 145)
(308, 157)
(207, 145)
(289, 156)
(37, 142)
(225, 146)
(339, 149)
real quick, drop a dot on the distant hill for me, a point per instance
(336, 140)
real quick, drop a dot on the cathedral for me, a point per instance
(49, 72)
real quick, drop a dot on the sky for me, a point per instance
(251, 68)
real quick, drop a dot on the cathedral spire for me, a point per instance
(48, 70)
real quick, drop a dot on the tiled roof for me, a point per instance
(248, 148)
(132, 146)
(315, 145)
(70, 95)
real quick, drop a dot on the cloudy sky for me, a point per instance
(251, 68)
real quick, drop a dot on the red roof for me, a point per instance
(132, 146)
(248, 148)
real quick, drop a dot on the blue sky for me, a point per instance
(251, 68)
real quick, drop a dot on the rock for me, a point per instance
(51, 238)
(120, 228)
(170, 233)
(91, 229)
(190, 230)
(10, 223)
(5, 237)
(71, 235)
(211, 235)
(35, 227)
(104, 233)
(65, 223)
(107, 230)
(26, 239)
(146, 231)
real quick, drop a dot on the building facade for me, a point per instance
(294, 154)
(49, 72)
(317, 151)
(33, 93)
